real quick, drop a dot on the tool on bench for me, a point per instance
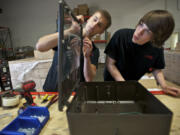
(47, 98)
(9, 99)
(25, 90)
(44, 98)
(69, 100)
(52, 101)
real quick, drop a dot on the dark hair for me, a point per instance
(107, 16)
(161, 23)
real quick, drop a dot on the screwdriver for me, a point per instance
(53, 100)
(45, 98)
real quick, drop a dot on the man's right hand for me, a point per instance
(75, 27)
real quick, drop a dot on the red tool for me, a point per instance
(27, 87)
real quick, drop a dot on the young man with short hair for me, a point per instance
(96, 24)
(132, 53)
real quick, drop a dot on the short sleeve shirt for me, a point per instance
(132, 60)
(51, 79)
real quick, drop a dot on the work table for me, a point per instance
(57, 124)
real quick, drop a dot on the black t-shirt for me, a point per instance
(51, 79)
(132, 60)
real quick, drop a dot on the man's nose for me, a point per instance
(140, 32)
(95, 24)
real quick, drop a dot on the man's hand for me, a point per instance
(171, 91)
(159, 76)
(75, 27)
(80, 18)
(87, 47)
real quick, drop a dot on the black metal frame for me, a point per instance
(64, 95)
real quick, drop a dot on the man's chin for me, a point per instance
(134, 41)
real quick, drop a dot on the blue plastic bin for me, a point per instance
(11, 133)
(26, 120)
(36, 111)
(23, 123)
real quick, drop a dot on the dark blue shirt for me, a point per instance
(51, 79)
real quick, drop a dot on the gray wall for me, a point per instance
(174, 7)
(31, 19)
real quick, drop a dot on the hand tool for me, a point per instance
(26, 87)
(45, 98)
(52, 101)
(70, 100)
(50, 97)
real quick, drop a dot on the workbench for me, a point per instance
(57, 124)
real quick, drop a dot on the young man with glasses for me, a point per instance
(132, 53)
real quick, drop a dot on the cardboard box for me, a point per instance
(83, 9)
(83, 12)
(76, 11)
(83, 6)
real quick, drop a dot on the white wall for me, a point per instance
(174, 7)
(125, 13)
(31, 19)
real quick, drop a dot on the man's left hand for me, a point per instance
(87, 47)
(171, 91)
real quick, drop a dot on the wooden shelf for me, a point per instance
(100, 41)
(86, 17)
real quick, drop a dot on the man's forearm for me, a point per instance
(89, 69)
(47, 42)
(158, 74)
(50, 41)
(115, 73)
